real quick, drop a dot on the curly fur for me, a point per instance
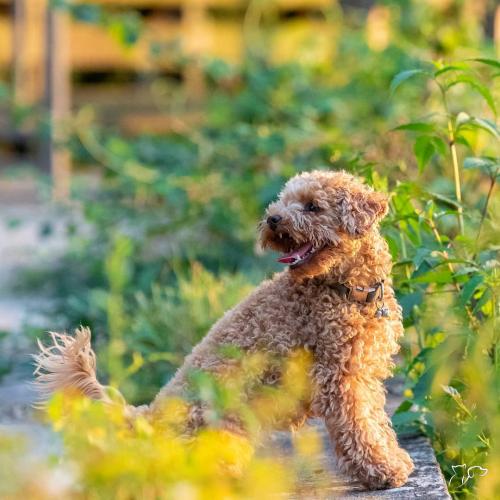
(351, 349)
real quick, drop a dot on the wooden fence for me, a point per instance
(203, 27)
(42, 49)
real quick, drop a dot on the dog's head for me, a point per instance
(317, 217)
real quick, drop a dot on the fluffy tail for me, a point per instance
(68, 363)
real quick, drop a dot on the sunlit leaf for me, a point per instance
(462, 118)
(440, 277)
(451, 67)
(140, 172)
(416, 127)
(480, 123)
(476, 85)
(403, 76)
(490, 62)
(450, 391)
(485, 297)
(487, 125)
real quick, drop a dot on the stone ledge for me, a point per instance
(325, 481)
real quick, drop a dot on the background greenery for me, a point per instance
(167, 239)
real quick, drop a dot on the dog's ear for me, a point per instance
(360, 210)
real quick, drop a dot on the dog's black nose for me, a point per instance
(272, 221)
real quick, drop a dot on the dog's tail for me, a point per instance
(69, 363)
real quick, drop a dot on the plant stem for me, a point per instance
(454, 159)
(402, 241)
(456, 175)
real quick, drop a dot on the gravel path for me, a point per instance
(23, 243)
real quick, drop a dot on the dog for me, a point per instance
(334, 300)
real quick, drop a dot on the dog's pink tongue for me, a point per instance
(295, 255)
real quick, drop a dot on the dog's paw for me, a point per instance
(405, 459)
(390, 474)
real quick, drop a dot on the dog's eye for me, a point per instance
(311, 207)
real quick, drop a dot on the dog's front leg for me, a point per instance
(362, 435)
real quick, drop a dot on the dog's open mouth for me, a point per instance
(300, 255)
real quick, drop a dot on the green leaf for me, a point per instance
(409, 301)
(463, 141)
(451, 67)
(479, 87)
(403, 76)
(469, 289)
(444, 199)
(490, 62)
(487, 125)
(125, 28)
(462, 118)
(405, 418)
(403, 407)
(416, 127)
(485, 297)
(91, 14)
(439, 277)
(140, 173)
(481, 123)
(420, 255)
(474, 162)
(440, 145)
(423, 387)
(489, 165)
(424, 149)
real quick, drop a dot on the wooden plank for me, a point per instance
(56, 159)
(304, 40)
(86, 38)
(139, 3)
(195, 40)
(304, 4)
(6, 36)
(226, 40)
(27, 51)
(282, 4)
(307, 40)
(94, 49)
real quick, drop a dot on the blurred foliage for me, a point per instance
(167, 239)
(108, 453)
(447, 277)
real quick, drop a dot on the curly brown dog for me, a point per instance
(334, 300)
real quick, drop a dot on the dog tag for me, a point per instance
(382, 312)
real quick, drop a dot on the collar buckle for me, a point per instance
(365, 295)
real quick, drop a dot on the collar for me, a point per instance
(361, 294)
